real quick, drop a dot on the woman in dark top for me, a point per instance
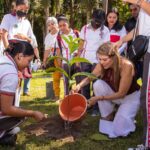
(117, 85)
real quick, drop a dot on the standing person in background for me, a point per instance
(117, 31)
(16, 26)
(1, 44)
(27, 71)
(92, 36)
(64, 50)
(131, 22)
(130, 25)
(50, 47)
(143, 29)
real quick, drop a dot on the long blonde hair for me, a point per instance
(108, 50)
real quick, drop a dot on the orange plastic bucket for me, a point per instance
(73, 107)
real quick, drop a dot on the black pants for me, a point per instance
(8, 123)
(86, 67)
(74, 69)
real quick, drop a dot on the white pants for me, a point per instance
(123, 122)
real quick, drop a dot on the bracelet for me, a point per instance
(102, 98)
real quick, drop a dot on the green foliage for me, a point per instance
(89, 75)
(78, 60)
(73, 45)
(123, 10)
(53, 69)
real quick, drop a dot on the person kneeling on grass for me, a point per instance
(116, 86)
(19, 56)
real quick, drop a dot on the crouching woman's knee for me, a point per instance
(100, 87)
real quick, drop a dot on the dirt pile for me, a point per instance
(54, 128)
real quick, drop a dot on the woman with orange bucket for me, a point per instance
(116, 86)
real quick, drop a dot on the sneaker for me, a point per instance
(139, 147)
(95, 113)
(14, 130)
(56, 98)
(26, 94)
(8, 139)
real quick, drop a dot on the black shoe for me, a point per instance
(8, 139)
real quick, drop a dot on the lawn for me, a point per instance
(90, 140)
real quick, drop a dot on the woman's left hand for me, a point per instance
(92, 101)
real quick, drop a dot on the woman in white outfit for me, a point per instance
(116, 86)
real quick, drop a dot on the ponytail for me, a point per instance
(16, 47)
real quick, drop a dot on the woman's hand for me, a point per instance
(22, 37)
(117, 45)
(92, 101)
(37, 115)
(76, 89)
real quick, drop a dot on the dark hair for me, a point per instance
(98, 14)
(117, 26)
(130, 24)
(16, 47)
(22, 2)
(62, 17)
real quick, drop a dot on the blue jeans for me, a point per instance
(26, 85)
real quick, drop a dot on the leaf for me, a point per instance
(65, 39)
(73, 47)
(76, 40)
(78, 60)
(89, 75)
(53, 69)
(70, 38)
(60, 57)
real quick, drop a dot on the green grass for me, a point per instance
(91, 139)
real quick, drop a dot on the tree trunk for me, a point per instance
(46, 16)
(71, 13)
(57, 6)
(107, 5)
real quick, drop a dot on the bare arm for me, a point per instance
(46, 54)
(80, 49)
(143, 4)
(84, 82)
(124, 86)
(36, 52)
(5, 38)
(8, 109)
